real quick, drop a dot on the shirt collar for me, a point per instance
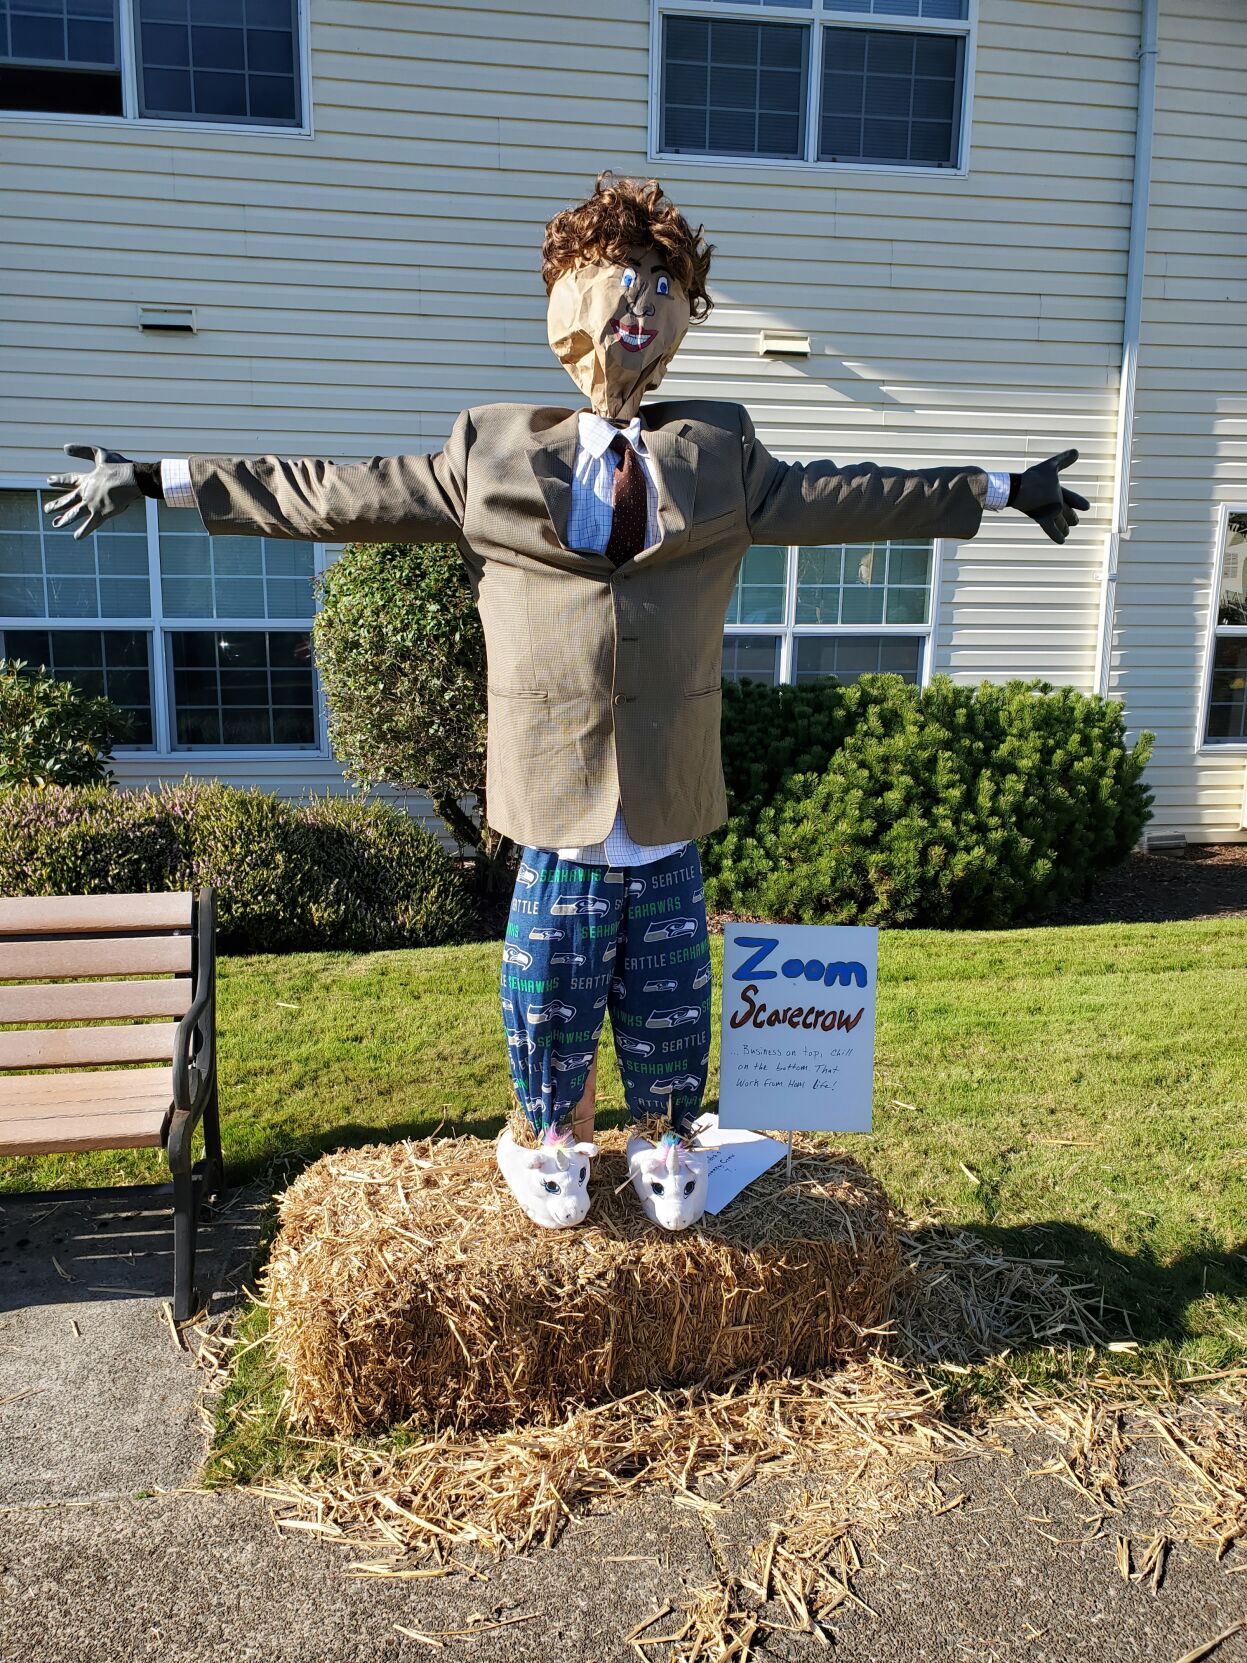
(596, 433)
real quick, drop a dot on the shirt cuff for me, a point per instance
(997, 490)
(175, 481)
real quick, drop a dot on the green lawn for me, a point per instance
(1093, 1081)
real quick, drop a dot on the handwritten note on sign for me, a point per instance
(798, 1041)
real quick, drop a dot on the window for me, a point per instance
(205, 641)
(843, 610)
(60, 55)
(872, 82)
(234, 61)
(1226, 703)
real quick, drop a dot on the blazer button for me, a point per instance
(619, 698)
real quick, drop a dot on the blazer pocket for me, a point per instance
(703, 692)
(705, 531)
(519, 692)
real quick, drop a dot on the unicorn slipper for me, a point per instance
(550, 1181)
(670, 1179)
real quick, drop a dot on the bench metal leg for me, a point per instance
(184, 1218)
(214, 1162)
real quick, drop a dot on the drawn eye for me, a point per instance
(662, 285)
(690, 1186)
(628, 279)
(584, 1173)
(656, 1186)
(550, 1187)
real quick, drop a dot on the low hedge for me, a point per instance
(882, 803)
(323, 872)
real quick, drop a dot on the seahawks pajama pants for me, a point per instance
(585, 940)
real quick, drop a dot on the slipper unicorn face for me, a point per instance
(670, 1180)
(551, 1182)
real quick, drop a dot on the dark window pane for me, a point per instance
(270, 51)
(214, 48)
(241, 58)
(86, 658)
(1227, 709)
(747, 100)
(907, 89)
(166, 46)
(259, 690)
(90, 42)
(219, 94)
(167, 92)
(39, 38)
(751, 658)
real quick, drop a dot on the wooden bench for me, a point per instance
(89, 1083)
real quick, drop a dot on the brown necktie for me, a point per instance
(630, 509)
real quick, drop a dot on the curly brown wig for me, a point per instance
(620, 214)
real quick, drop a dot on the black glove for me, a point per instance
(1039, 493)
(113, 485)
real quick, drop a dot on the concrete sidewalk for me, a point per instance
(108, 1554)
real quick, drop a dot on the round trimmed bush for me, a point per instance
(324, 872)
(947, 805)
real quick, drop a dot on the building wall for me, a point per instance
(1190, 445)
(357, 287)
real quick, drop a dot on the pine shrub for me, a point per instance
(942, 806)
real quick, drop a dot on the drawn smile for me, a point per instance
(634, 340)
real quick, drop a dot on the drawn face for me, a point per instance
(616, 326)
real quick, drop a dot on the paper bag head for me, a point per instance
(625, 274)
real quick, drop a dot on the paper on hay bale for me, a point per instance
(405, 1283)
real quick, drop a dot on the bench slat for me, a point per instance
(81, 1001)
(118, 1129)
(56, 1047)
(133, 956)
(30, 1096)
(71, 914)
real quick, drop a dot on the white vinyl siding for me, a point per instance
(1189, 460)
(355, 289)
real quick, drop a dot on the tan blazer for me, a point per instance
(604, 683)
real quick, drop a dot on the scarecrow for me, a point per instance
(602, 545)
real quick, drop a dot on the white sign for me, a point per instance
(798, 1038)
(735, 1159)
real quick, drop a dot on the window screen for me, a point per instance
(60, 56)
(734, 88)
(902, 8)
(890, 96)
(219, 60)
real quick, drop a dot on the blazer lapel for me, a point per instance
(552, 458)
(675, 467)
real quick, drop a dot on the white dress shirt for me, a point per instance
(588, 532)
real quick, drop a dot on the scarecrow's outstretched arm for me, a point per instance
(818, 502)
(408, 499)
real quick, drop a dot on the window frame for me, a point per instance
(157, 627)
(789, 631)
(128, 49)
(1214, 631)
(813, 15)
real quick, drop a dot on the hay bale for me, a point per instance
(405, 1283)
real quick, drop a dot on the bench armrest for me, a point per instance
(194, 1046)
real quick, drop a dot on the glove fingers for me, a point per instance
(1064, 460)
(1072, 499)
(87, 526)
(59, 480)
(60, 502)
(85, 452)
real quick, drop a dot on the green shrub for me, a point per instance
(401, 653)
(945, 806)
(326, 872)
(52, 734)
